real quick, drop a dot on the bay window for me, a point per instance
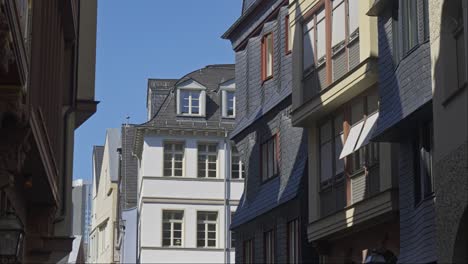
(357, 121)
(343, 49)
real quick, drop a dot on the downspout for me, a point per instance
(227, 214)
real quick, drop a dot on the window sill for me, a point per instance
(269, 179)
(452, 95)
(267, 79)
(190, 115)
(430, 196)
(229, 117)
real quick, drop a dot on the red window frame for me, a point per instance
(287, 28)
(266, 77)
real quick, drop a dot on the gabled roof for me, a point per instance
(98, 153)
(112, 145)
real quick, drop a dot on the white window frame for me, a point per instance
(206, 162)
(172, 221)
(173, 153)
(225, 103)
(191, 86)
(205, 222)
(241, 172)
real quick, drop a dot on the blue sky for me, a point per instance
(142, 39)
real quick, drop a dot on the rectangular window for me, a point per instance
(248, 252)
(423, 148)
(237, 167)
(460, 51)
(172, 228)
(293, 242)
(426, 19)
(267, 56)
(269, 158)
(207, 226)
(230, 104)
(410, 24)
(173, 159)
(208, 160)
(233, 239)
(190, 102)
(396, 40)
(269, 244)
(288, 35)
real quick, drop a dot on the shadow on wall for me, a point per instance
(451, 182)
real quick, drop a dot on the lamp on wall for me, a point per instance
(11, 237)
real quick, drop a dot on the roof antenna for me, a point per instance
(127, 119)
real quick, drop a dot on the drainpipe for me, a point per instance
(227, 214)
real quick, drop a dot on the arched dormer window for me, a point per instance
(191, 98)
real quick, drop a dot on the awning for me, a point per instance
(352, 139)
(359, 135)
(366, 133)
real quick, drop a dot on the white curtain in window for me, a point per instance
(338, 24)
(353, 15)
(308, 45)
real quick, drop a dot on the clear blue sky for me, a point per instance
(142, 39)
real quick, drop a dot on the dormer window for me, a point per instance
(191, 98)
(228, 97)
(190, 102)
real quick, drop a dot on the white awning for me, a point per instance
(367, 131)
(352, 139)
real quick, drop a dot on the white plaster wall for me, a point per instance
(129, 247)
(197, 194)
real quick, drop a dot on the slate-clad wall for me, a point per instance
(407, 86)
(255, 97)
(417, 221)
(128, 169)
(403, 89)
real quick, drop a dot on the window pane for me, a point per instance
(353, 21)
(339, 163)
(269, 55)
(338, 24)
(321, 38)
(325, 162)
(325, 132)
(264, 161)
(270, 159)
(212, 243)
(308, 45)
(372, 103)
(357, 112)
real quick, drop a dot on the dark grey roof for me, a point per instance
(128, 169)
(248, 3)
(165, 115)
(98, 153)
(158, 89)
(271, 194)
(263, 109)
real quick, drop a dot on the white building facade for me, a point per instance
(190, 177)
